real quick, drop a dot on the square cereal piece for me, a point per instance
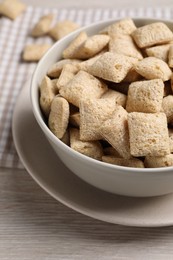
(92, 46)
(160, 52)
(124, 26)
(70, 51)
(148, 134)
(115, 131)
(56, 69)
(92, 149)
(152, 34)
(145, 96)
(12, 8)
(159, 161)
(34, 52)
(43, 25)
(59, 116)
(153, 68)
(124, 44)
(48, 90)
(112, 66)
(119, 97)
(62, 28)
(93, 112)
(168, 108)
(83, 85)
(67, 74)
(133, 162)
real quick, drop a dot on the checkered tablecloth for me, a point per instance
(14, 35)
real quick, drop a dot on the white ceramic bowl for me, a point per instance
(116, 179)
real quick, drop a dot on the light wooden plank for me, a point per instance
(35, 226)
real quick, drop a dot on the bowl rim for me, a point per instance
(55, 140)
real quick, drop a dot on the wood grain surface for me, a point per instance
(35, 226)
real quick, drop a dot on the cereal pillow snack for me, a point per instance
(59, 116)
(43, 26)
(90, 148)
(112, 66)
(123, 162)
(145, 96)
(62, 28)
(148, 134)
(152, 34)
(153, 68)
(12, 8)
(82, 85)
(34, 52)
(123, 27)
(160, 51)
(115, 131)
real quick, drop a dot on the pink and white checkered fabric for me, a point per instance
(14, 35)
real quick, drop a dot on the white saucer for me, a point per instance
(48, 171)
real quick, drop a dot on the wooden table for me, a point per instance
(33, 225)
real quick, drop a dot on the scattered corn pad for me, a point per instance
(43, 26)
(35, 52)
(12, 8)
(62, 28)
